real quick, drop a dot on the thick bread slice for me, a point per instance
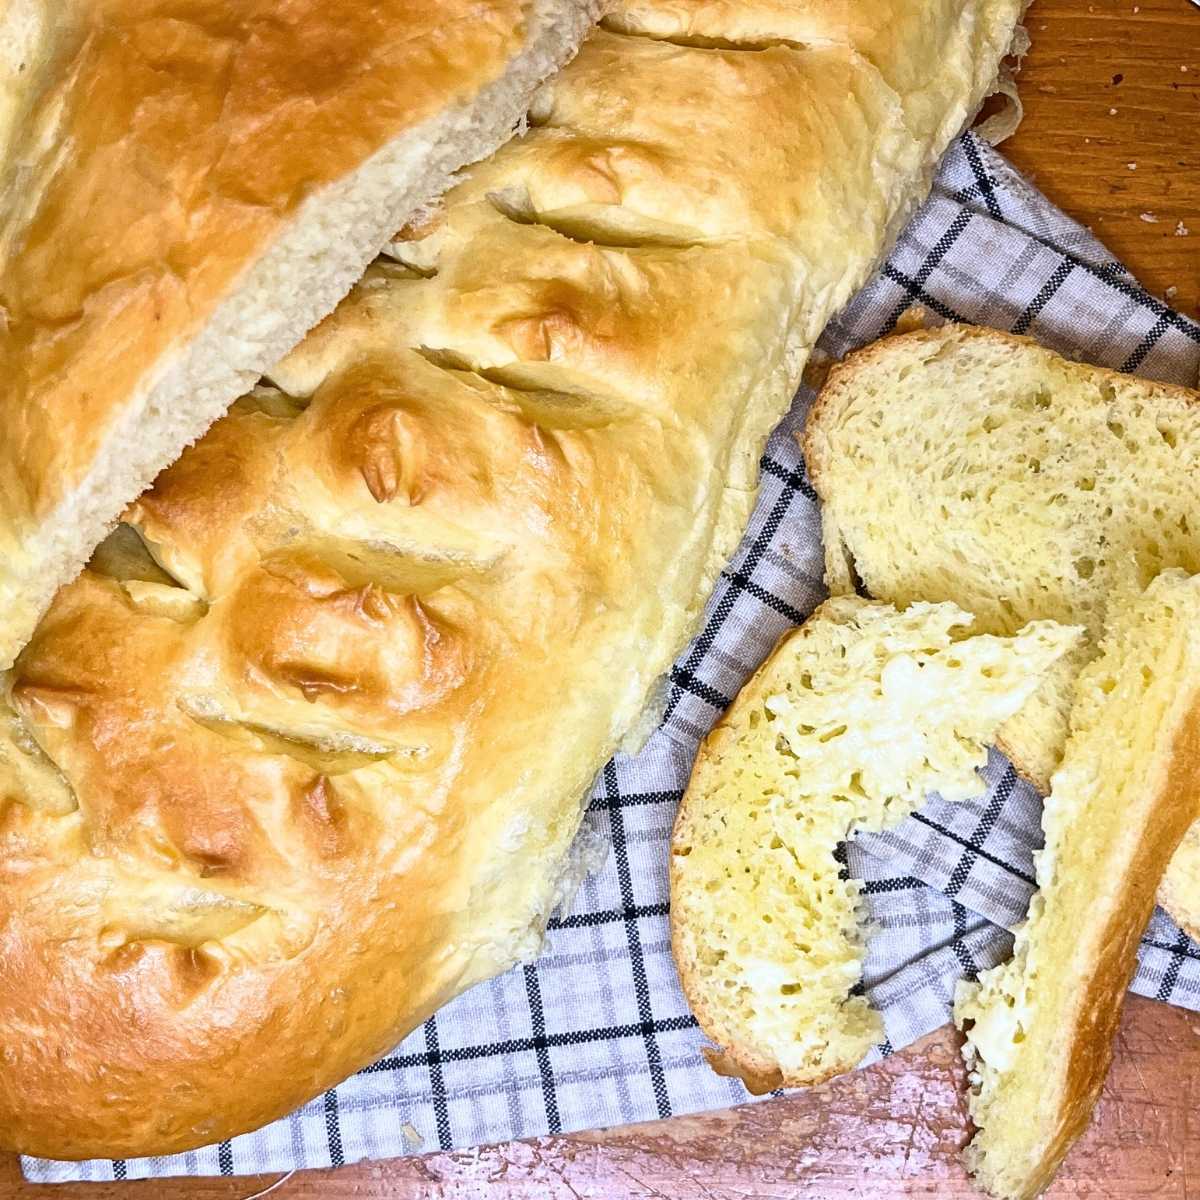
(853, 718)
(1040, 1028)
(973, 466)
(310, 762)
(185, 190)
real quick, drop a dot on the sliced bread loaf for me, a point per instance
(185, 190)
(853, 718)
(1040, 1028)
(428, 580)
(972, 466)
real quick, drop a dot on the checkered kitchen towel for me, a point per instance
(596, 1032)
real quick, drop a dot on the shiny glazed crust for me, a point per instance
(273, 798)
(185, 189)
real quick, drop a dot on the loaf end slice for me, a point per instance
(851, 721)
(1040, 1028)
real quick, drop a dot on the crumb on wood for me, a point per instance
(1148, 217)
(1181, 230)
(816, 369)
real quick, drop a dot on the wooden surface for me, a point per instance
(1112, 130)
(895, 1129)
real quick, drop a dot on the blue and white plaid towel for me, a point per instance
(596, 1032)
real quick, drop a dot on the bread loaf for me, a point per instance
(853, 718)
(1040, 1028)
(977, 467)
(303, 757)
(184, 191)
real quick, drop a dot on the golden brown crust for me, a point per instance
(842, 381)
(191, 144)
(730, 1057)
(1179, 891)
(1121, 803)
(758, 1080)
(1040, 783)
(1098, 1016)
(1092, 1035)
(330, 779)
(157, 156)
(733, 1056)
(764, 923)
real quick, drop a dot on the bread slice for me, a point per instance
(1040, 1028)
(973, 466)
(317, 767)
(181, 200)
(853, 718)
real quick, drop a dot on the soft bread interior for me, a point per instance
(851, 721)
(972, 466)
(1040, 1027)
(280, 295)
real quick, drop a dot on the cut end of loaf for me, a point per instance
(293, 284)
(853, 718)
(1039, 1028)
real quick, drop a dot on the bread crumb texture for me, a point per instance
(852, 720)
(1040, 1028)
(977, 467)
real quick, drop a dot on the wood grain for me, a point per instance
(895, 1129)
(1112, 130)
